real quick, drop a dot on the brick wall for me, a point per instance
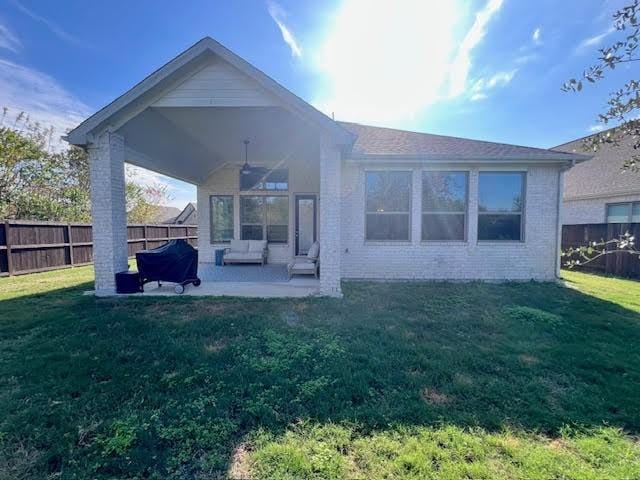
(535, 258)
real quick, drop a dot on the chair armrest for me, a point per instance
(227, 249)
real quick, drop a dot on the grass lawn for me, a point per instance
(396, 381)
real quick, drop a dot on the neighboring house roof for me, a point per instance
(188, 216)
(374, 142)
(166, 214)
(603, 175)
(141, 95)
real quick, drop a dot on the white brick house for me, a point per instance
(383, 203)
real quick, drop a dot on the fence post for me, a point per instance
(70, 244)
(146, 236)
(7, 229)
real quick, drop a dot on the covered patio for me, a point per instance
(270, 281)
(208, 118)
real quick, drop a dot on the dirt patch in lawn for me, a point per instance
(528, 359)
(215, 346)
(240, 467)
(434, 397)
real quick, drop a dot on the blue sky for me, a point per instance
(486, 69)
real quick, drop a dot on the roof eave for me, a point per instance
(565, 159)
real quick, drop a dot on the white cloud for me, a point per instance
(524, 59)
(595, 40)
(8, 40)
(478, 96)
(52, 26)
(482, 85)
(462, 64)
(278, 15)
(23, 89)
(536, 36)
(596, 128)
(385, 62)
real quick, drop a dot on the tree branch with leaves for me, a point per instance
(623, 105)
(584, 255)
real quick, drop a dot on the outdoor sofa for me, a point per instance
(245, 251)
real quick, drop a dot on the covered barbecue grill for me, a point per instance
(175, 262)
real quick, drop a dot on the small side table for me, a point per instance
(219, 255)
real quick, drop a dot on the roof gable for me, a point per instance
(217, 84)
(180, 69)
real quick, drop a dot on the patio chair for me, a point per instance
(307, 265)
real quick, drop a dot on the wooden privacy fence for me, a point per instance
(620, 264)
(32, 246)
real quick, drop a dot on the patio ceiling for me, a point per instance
(190, 143)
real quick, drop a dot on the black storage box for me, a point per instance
(128, 282)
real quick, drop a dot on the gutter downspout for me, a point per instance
(559, 218)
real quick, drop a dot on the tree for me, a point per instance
(144, 202)
(38, 183)
(623, 106)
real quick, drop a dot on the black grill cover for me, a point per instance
(176, 261)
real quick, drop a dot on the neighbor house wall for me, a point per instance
(303, 179)
(591, 210)
(534, 258)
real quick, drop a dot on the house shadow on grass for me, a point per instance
(160, 387)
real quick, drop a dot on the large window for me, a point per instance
(221, 208)
(628, 212)
(444, 205)
(265, 179)
(500, 205)
(387, 205)
(264, 218)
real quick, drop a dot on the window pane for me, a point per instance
(252, 210)
(500, 192)
(388, 191)
(499, 227)
(277, 233)
(635, 214)
(618, 213)
(265, 179)
(387, 226)
(442, 226)
(444, 191)
(251, 232)
(221, 218)
(278, 219)
(277, 210)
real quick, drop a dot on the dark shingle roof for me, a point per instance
(379, 141)
(603, 174)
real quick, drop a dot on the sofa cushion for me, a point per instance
(239, 246)
(314, 251)
(243, 257)
(308, 266)
(257, 245)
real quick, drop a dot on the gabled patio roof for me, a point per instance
(191, 116)
(142, 95)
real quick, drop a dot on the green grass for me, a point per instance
(397, 381)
